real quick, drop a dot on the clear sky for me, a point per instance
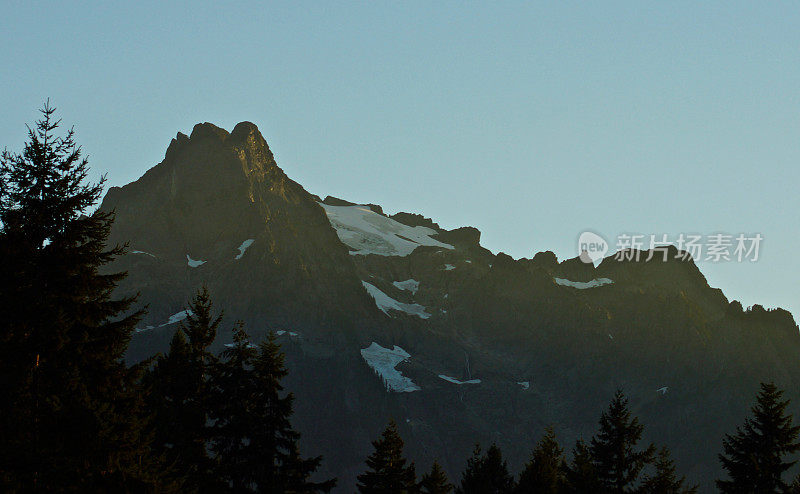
(531, 121)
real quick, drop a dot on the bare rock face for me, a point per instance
(213, 193)
(218, 210)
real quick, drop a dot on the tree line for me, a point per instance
(75, 418)
(612, 462)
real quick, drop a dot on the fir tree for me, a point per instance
(72, 414)
(581, 475)
(544, 472)
(255, 447)
(613, 449)
(486, 474)
(173, 398)
(387, 472)
(200, 328)
(233, 389)
(435, 481)
(665, 479)
(296, 472)
(755, 457)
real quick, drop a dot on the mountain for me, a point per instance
(393, 316)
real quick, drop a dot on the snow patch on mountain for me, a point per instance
(663, 390)
(281, 332)
(383, 362)
(193, 263)
(525, 384)
(456, 381)
(233, 345)
(408, 285)
(177, 317)
(583, 285)
(386, 303)
(367, 232)
(449, 267)
(242, 248)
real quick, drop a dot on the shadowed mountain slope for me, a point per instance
(468, 345)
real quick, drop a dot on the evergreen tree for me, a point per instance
(544, 472)
(613, 450)
(194, 370)
(665, 479)
(296, 472)
(436, 481)
(72, 414)
(255, 447)
(234, 419)
(755, 456)
(486, 474)
(200, 327)
(387, 472)
(174, 400)
(581, 475)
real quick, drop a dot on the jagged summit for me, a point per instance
(207, 160)
(208, 130)
(213, 193)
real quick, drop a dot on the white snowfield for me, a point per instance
(142, 252)
(525, 384)
(367, 232)
(383, 362)
(243, 248)
(281, 332)
(233, 345)
(386, 303)
(408, 285)
(177, 317)
(583, 285)
(456, 381)
(192, 263)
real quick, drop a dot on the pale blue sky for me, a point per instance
(530, 121)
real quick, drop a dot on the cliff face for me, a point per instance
(218, 210)
(521, 343)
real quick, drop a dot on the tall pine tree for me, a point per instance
(544, 472)
(173, 396)
(581, 475)
(193, 366)
(387, 472)
(614, 452)
(234, 420)
(486, 474)
(755, 456)
(72, 415)
(435, 481)
(665, 480)
(255, 447)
